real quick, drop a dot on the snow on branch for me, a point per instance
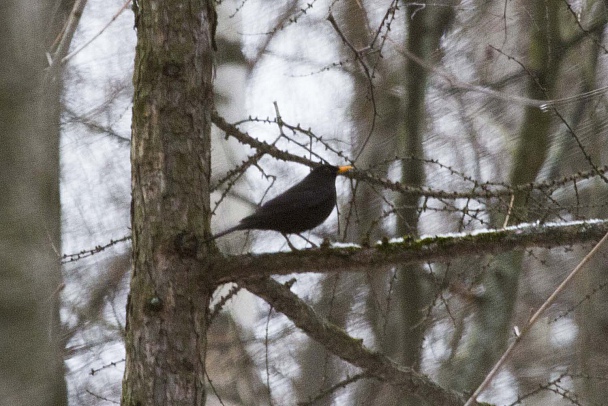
(401, 251)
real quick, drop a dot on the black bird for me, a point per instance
(300, 208)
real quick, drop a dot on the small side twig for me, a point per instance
(509, 211)
(339, 385)
(65, 258)
(101, 397)
(215, 392)
(220, 305)
(105, 27)
(266, 360)
(358, 56)
(111, 364)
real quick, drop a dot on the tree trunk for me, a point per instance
(492, 322)
(170, 154)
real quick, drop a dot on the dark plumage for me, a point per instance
(301, 207)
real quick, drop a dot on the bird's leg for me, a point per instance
(307, 240)
(289, 242)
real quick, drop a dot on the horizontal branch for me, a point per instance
(406, 251)
(478, 190)
(350, 349)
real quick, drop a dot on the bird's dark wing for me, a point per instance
(296, 211)
(296, 198)
(293, 202)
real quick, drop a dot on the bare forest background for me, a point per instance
(458, 116)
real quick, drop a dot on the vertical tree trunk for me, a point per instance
(492, 323)
(31, 365)
(401, 335)
(425, 29)
(170, 154)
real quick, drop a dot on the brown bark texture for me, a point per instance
(170, 155)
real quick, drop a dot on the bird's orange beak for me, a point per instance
(345, 168)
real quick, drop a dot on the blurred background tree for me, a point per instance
(31, 341)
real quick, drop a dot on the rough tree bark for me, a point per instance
(170, 154)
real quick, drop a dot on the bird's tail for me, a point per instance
(223, 233)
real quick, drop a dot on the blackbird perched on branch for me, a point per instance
(301, 207)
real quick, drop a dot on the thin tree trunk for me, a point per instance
(425, 29)
(492, 322)
(31, 364)
(170, 153)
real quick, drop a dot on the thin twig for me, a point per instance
(524, 101)
(87, 253)
(339, 385)
(105, 27)
(266, 362)
(222, 302)
(215, 392)
(111, 364)
(509, 211)
(101, 397)
(358, 56)
(66, 39)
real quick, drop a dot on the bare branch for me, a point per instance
(346, 347)
(479, 190)
(408, 251)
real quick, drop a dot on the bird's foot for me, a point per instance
(313, 245)
(293, 248)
